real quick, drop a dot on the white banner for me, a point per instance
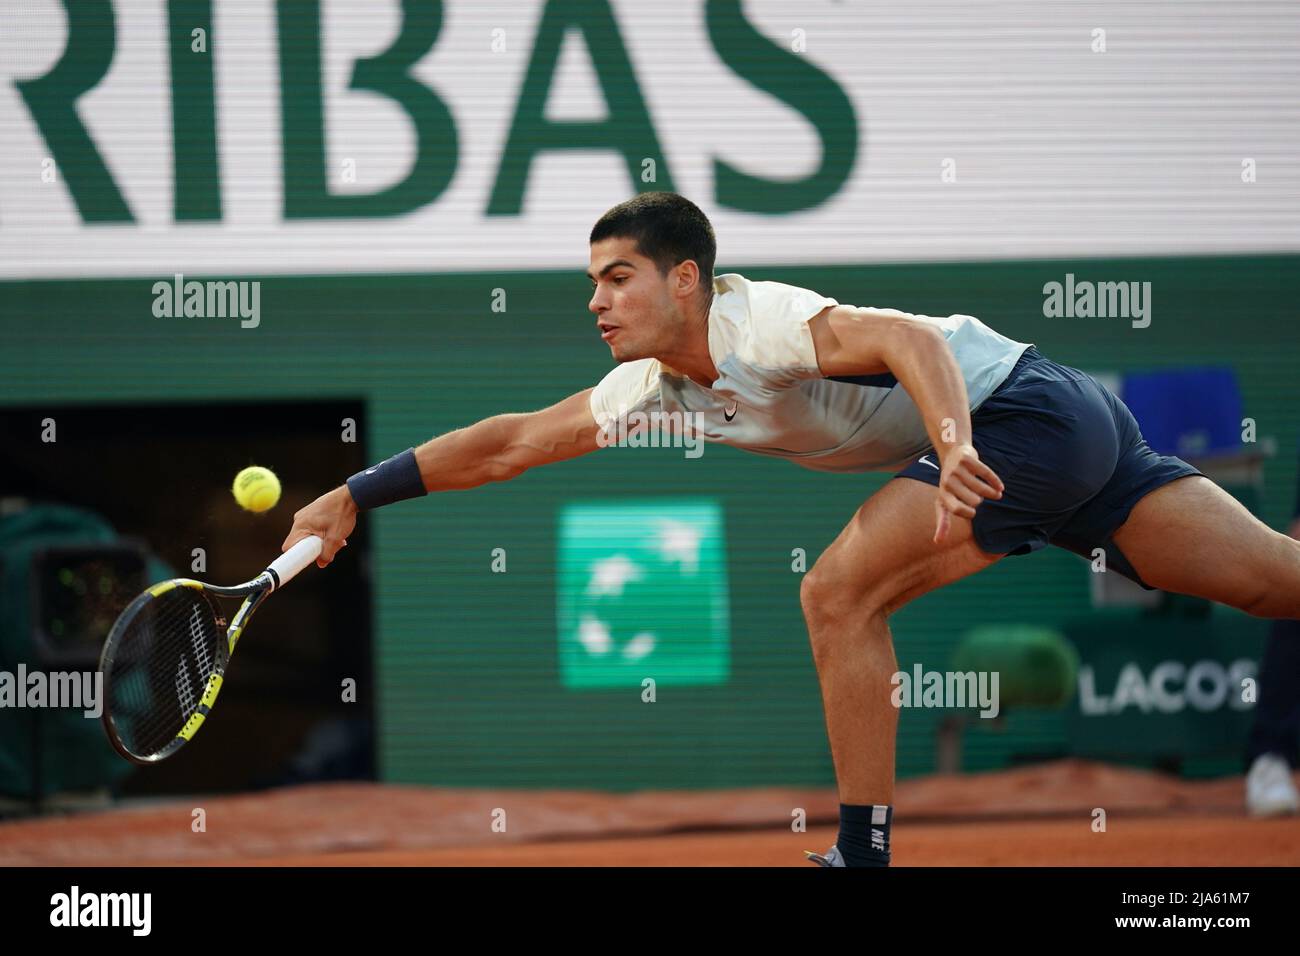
(485, 135)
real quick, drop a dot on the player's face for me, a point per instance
(636, 315)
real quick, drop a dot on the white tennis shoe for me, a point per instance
(831, 858)
(1270, 791)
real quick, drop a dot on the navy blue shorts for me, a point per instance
(1072, 460)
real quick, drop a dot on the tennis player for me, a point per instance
(1001, 450)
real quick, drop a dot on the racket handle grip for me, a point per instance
(295, 559)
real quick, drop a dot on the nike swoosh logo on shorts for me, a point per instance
(925, 459)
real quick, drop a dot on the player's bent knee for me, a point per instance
(1276, 601)
(815, 594)
(1270, 586)
(827, 598)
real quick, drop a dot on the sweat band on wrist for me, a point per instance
(394, 479)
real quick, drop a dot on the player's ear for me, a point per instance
(685, 278)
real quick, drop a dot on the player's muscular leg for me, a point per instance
(881, 560)
(1192, 537)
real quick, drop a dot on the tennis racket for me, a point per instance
(167, 653)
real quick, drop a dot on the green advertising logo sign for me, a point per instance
(642, 593)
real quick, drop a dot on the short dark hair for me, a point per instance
(668, 229)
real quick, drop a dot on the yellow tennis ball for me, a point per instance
(256, 489)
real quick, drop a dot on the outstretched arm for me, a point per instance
(505, 446)
(854, 341)
(494, 449)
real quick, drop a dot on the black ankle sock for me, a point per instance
(864, 834)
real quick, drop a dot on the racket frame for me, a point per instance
(254, 592)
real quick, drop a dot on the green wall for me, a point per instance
(466, 665)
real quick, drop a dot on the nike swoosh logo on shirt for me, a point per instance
(729, 412)
(925, 459)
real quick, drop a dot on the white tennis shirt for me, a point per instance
(771, 398)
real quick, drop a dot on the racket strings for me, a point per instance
(164, 660)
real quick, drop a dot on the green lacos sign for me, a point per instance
(642, 594)
(93, 41)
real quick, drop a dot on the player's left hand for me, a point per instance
(964, 482)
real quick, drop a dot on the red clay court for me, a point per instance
(1038, 816)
